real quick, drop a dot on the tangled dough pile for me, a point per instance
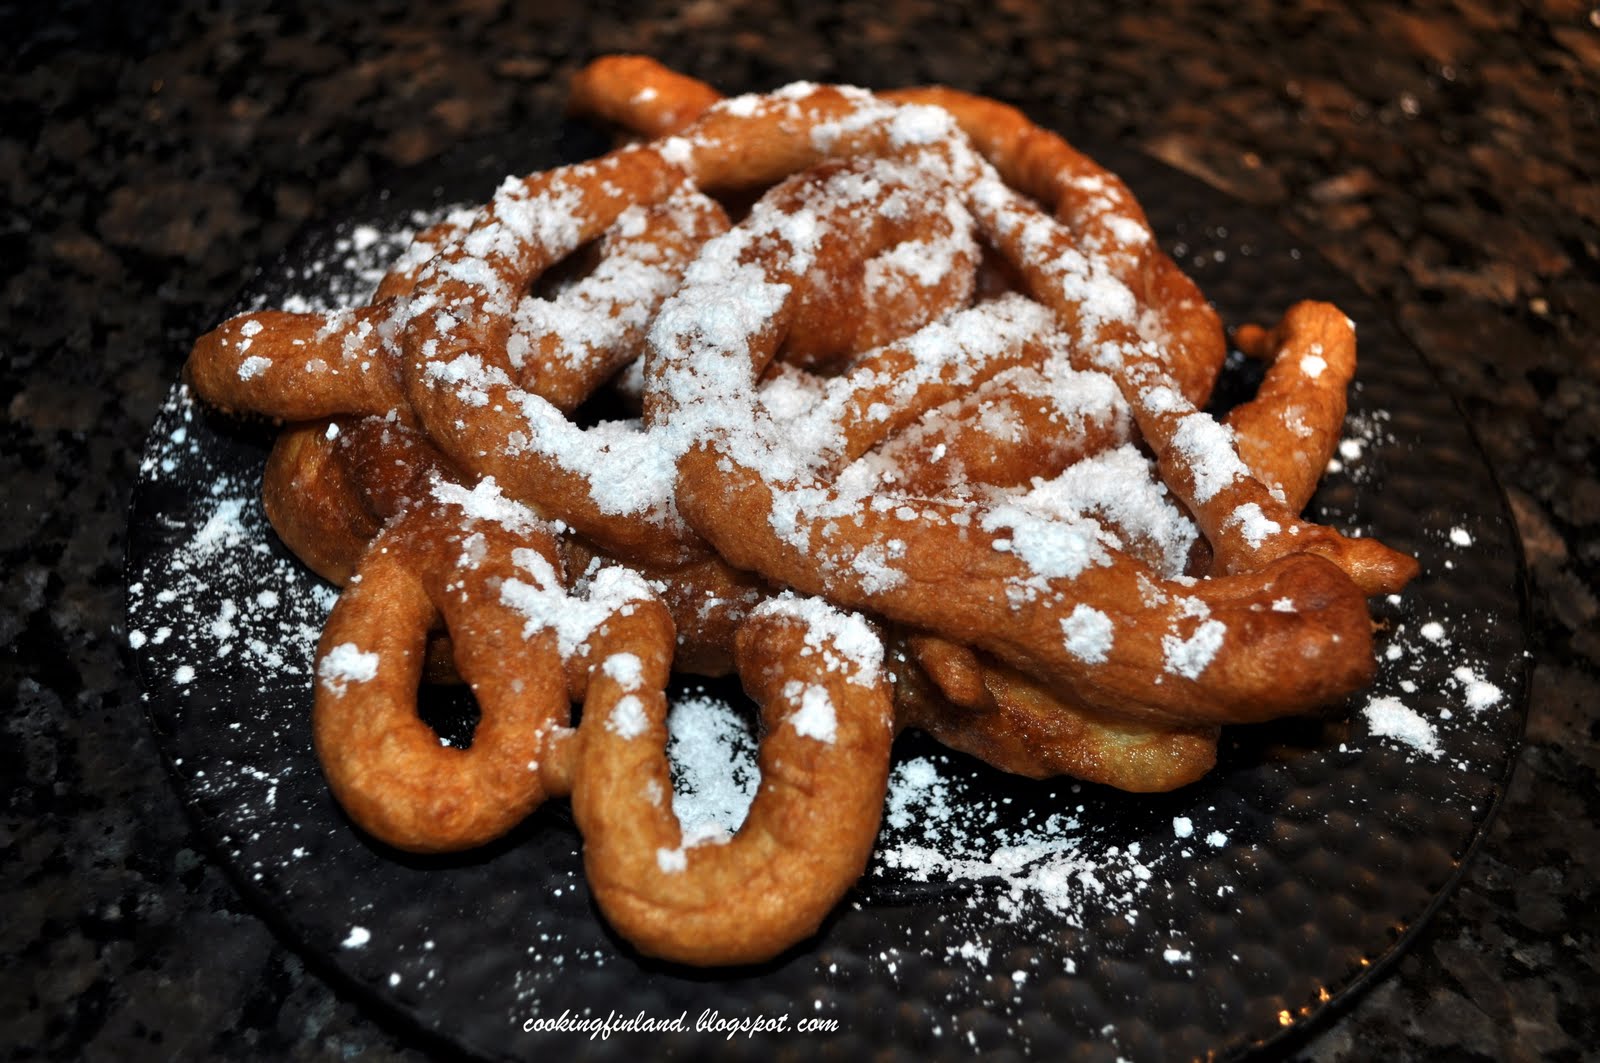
(911, 437)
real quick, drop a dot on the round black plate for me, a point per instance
(999, 914)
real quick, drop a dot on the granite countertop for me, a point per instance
(1441, 154)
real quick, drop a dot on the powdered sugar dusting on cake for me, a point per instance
(547, 606)
(1253, 524)
(814, 717)
(1088, 633)
(344, 664)
(844, 639)
(626, 669)
(1208, 447)
(485, 501)
(1189, 655)
(628, 719)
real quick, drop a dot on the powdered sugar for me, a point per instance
(626, 669)
(934, 830)
(547, 606)
(344, 664)
(1052, 862)
(844, 639)
(1052, 547)
(1088, 634)
(485, 501)
(1479, 692)
(814, 718)
(1254, 525)
(627, 719)
(713, 757)
(1117, 493)
(1388, 717)
(1188, 655)
(1208, 447)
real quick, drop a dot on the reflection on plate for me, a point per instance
(997, 911)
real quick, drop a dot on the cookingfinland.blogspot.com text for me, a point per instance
(709, 1021)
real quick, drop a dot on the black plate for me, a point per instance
(1048, 917)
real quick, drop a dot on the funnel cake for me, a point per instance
(935, 389)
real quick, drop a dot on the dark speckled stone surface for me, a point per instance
(1442, 155)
